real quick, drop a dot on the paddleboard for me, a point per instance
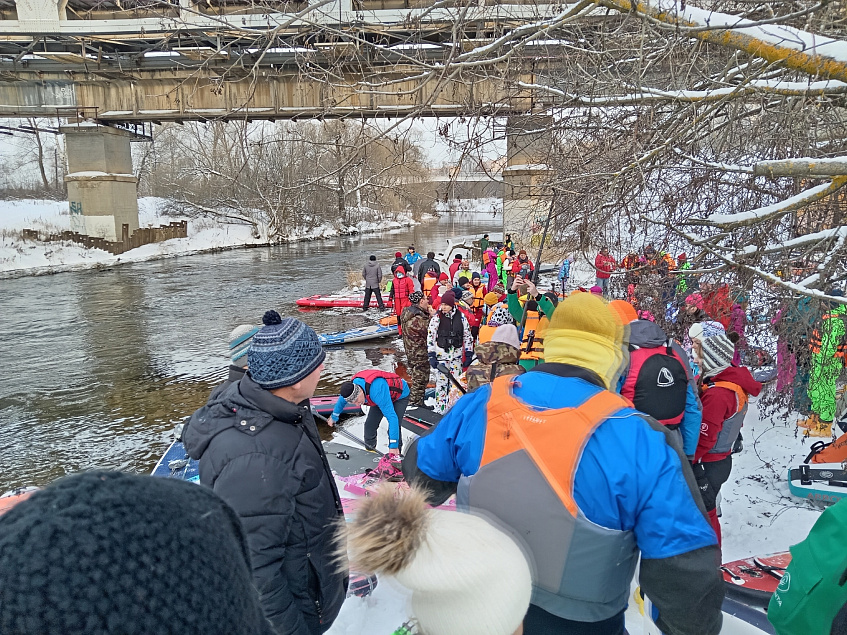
(753, 580)
(419, 420)
(10, 499)
(325, 404)
(826, 482)
(340, 301)
(175, 463)
(361, 334)
(345, 460)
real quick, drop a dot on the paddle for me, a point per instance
(442, 368)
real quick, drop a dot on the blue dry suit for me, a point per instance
(630, 478)
(379, 396)
(647, 334)
(565, 270)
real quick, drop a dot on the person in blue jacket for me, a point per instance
(584, 481)
(412, 256)
(387, 394)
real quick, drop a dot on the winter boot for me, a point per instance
(823, 429)
(809, 422)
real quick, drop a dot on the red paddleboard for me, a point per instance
(753, 580)
(339, 301)
(7, 501)
(325, 404)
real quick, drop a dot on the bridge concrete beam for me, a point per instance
(102, 189)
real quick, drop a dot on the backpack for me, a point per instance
(657, 383)
(814, 586)
(486, 258)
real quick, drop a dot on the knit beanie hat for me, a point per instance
(462, 280)
(491, 298)
(702, 330)
(500, 316)
(596, 290)
(467, 577)
(467, 297)
(239, 342)
(716, 354)
(372, 258)
(584, 332)
(107, 553)
(349, 391)
(284, 352)
(398, 254)
(623, 310)
(448, 298)
(415, 297)
(442, 276)
(695, 299)
(475, 274)
(507, 334)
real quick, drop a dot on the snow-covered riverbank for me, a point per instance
(25, 257)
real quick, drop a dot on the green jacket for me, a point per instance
(812, 590)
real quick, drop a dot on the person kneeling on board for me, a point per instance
(387, 394)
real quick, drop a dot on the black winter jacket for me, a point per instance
(264, 457)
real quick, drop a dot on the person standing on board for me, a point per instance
(372, 273)
(604, 265)
(260, 451)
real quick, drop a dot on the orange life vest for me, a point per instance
(485, 333)
(428, 283)
(532, 344)
(554, 448)
(478, 297)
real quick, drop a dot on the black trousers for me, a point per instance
(710, 477)
(375, 415)
(540, 622)
(367, 302)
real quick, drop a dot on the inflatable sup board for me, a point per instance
(820, 482)
(753, 580)
(354, 301)
(361, 334)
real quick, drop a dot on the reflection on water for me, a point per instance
(100, 365)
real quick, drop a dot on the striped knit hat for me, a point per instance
(716, 356)
(284, 352)
(239, 342)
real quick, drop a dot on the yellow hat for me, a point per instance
(584, 332)
(491, 298)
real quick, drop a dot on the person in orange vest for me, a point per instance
(535, 314)
(386, 393)
(430, 281)
(586, 482)
(724, 392)
(478, 290)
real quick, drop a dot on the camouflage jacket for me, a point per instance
(495, 359)
(415, 325)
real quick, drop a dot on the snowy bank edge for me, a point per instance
(108, 261)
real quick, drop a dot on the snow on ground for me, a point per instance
(759, 516)
(20, 257)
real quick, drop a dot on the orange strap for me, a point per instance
(738, 390)
(554, 439)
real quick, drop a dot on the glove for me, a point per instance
(433, 361)
(466, 359)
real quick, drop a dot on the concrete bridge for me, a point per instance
(106, 65)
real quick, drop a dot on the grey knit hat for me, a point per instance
(717, 353)
(239, 342)
(283, 353)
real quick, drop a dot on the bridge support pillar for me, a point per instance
(102, 188)
(527, 177)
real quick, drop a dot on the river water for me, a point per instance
(100, 365)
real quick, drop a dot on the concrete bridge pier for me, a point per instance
(527, 178)
(102, 188)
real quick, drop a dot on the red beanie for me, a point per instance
(448, 298)
(398, 255)
(443, 276)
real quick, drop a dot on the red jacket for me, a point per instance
(517, 265)
(401, 289)
(719, 404)
(604, 266)
(454, 267)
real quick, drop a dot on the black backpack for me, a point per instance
(657, 383)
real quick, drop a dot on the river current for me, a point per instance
(100, 365)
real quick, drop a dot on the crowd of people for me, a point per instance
(560, 515)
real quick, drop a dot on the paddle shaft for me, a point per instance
(442, 368)
(534, 274)
(344, 432)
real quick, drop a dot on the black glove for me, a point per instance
(433, 361)
(467, 359)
